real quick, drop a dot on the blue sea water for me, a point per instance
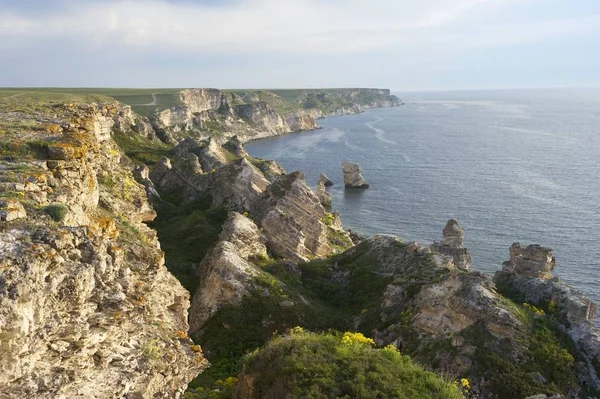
(511, 166)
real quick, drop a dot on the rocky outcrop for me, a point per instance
(87, 307)
(225, 274)
(245, 235)
(300, 121)
(205, 113)
(532, 261)
(452, 246)
(291, 217)
(353, 177)
(323, 195)
(11, 210)
(234, 146)
(528, 275)
(325, 180)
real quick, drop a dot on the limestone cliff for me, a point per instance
(205, 113)
(87, 307)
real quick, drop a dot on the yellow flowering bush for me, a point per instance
(533, 309)
(350, 338)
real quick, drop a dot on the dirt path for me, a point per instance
(153, 103)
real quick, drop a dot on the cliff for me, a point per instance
(252, 115)
(87, 307)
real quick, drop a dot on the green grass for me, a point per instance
(306, 365)
(136, 98)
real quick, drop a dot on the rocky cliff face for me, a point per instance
(87, 307)
(527, 277)
(205, 113)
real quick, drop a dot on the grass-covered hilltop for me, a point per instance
(145, 254)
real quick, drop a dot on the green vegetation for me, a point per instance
(136, 98)
(307, 365)
(58, 212)
(550, 352)
(186, 233)
(140, 149)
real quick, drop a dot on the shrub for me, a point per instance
(58, 212)
(308, 365)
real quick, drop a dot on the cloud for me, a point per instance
(292, 27)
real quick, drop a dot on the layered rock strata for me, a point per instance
(353, 177)
(87, 307)
(452, 245)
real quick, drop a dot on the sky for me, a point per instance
(398, 44)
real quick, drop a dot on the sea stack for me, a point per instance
(353, 177)
(325, 180)
(452, 245)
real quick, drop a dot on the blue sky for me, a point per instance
(399, 44)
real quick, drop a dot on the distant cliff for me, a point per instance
(251, 115)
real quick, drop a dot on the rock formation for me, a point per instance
(226, 275)
(325, 180)
(323, 195)
(87, 307)
(353, 177)
(452, 245)
(528, 274)
(205, 113)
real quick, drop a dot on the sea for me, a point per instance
(509, 165)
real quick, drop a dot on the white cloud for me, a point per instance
(285, 26)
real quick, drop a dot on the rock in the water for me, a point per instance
(353, 177)
(325, 180)
(452, 246)
(323, 195)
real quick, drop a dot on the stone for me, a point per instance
(291, 217)
(234, 145)
(245, 235)
(453, 234)
(325, 180)
(225, 278)
(286, 304)
(82, 313)
(353, 177)
(323, 195)
(452, 246)
(532, 261)
(212, 156)
(11, 210)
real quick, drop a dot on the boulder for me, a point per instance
(353, 177)
(11, 210)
